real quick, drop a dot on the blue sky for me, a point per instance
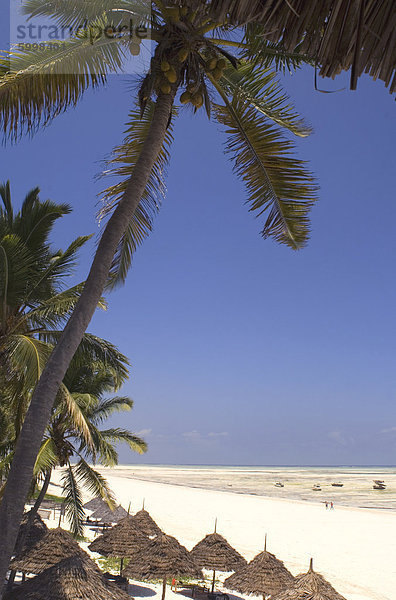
(243, 351)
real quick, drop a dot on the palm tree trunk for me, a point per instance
(29, 440)
(32, 513)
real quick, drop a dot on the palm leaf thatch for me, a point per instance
(74, 578)
(146, 523)
(34, 534)
(95, 504)
(339, 35)
(119, 541)
(161, 557)
(265, 575)
(105, 514)
(53, 547)
(214, 552)
(309, 586)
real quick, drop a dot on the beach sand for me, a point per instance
(354, 548)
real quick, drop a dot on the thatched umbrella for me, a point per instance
(54, 546)
(29, 537)
(160, 558)
(146, 523)
(105, 514)
(120, 541)
(264, 576)
(95, 504)
(75, 578)
(309, 586)
(214, 552)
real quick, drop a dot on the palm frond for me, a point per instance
(18, 269)
(47, 457)
(52, 312)
(121, 165)
(105, 452)
(38, 85)
(73, 13)
(258, 50)
(94, 482)
(36, 219)
(277, 183)
(76, 415)
(116, 434)
(73, 502)
(105, 408)
(27, 355)
(92, 350)
(64, 261)
(259, 87)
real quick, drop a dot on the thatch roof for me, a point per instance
(146, 523)
(309, 586)
(121, 540)
(74, 578)
(161, 557)
(358, 34)
(36, 531)
(214, 552)
(95, 504)
(264, 575)
(54, 546)
(106, 515)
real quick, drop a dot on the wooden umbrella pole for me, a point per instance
(121, 565)
(213, 582)
(163, 589)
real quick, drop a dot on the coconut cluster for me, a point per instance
(194, 91)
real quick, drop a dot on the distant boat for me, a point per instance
(379, 484)
(279, 484)
(337, 484)
(316, 487)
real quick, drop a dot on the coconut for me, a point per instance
(171, 75)
(165, 88)
(217, 73)
(197, 100)
(182, 54)
(211, 64)
(185, 97)
(165, 66)
(134, 49)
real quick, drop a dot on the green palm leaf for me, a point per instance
(92, 350)
(259, 87)
(38, 85)
(47, 458)
(73, 502)
(72, 13)
(122, 163)
(52, 312)
(277, 182)
(94, 482)
(260, 51)
(27, 355)
(105, 408)
(70, 405)
(116, 434)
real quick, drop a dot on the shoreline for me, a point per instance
(356, 490)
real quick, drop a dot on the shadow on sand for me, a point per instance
(140, 591)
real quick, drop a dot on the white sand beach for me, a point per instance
(354, 548)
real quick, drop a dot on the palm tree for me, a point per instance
(76, 436)
(209, 61)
